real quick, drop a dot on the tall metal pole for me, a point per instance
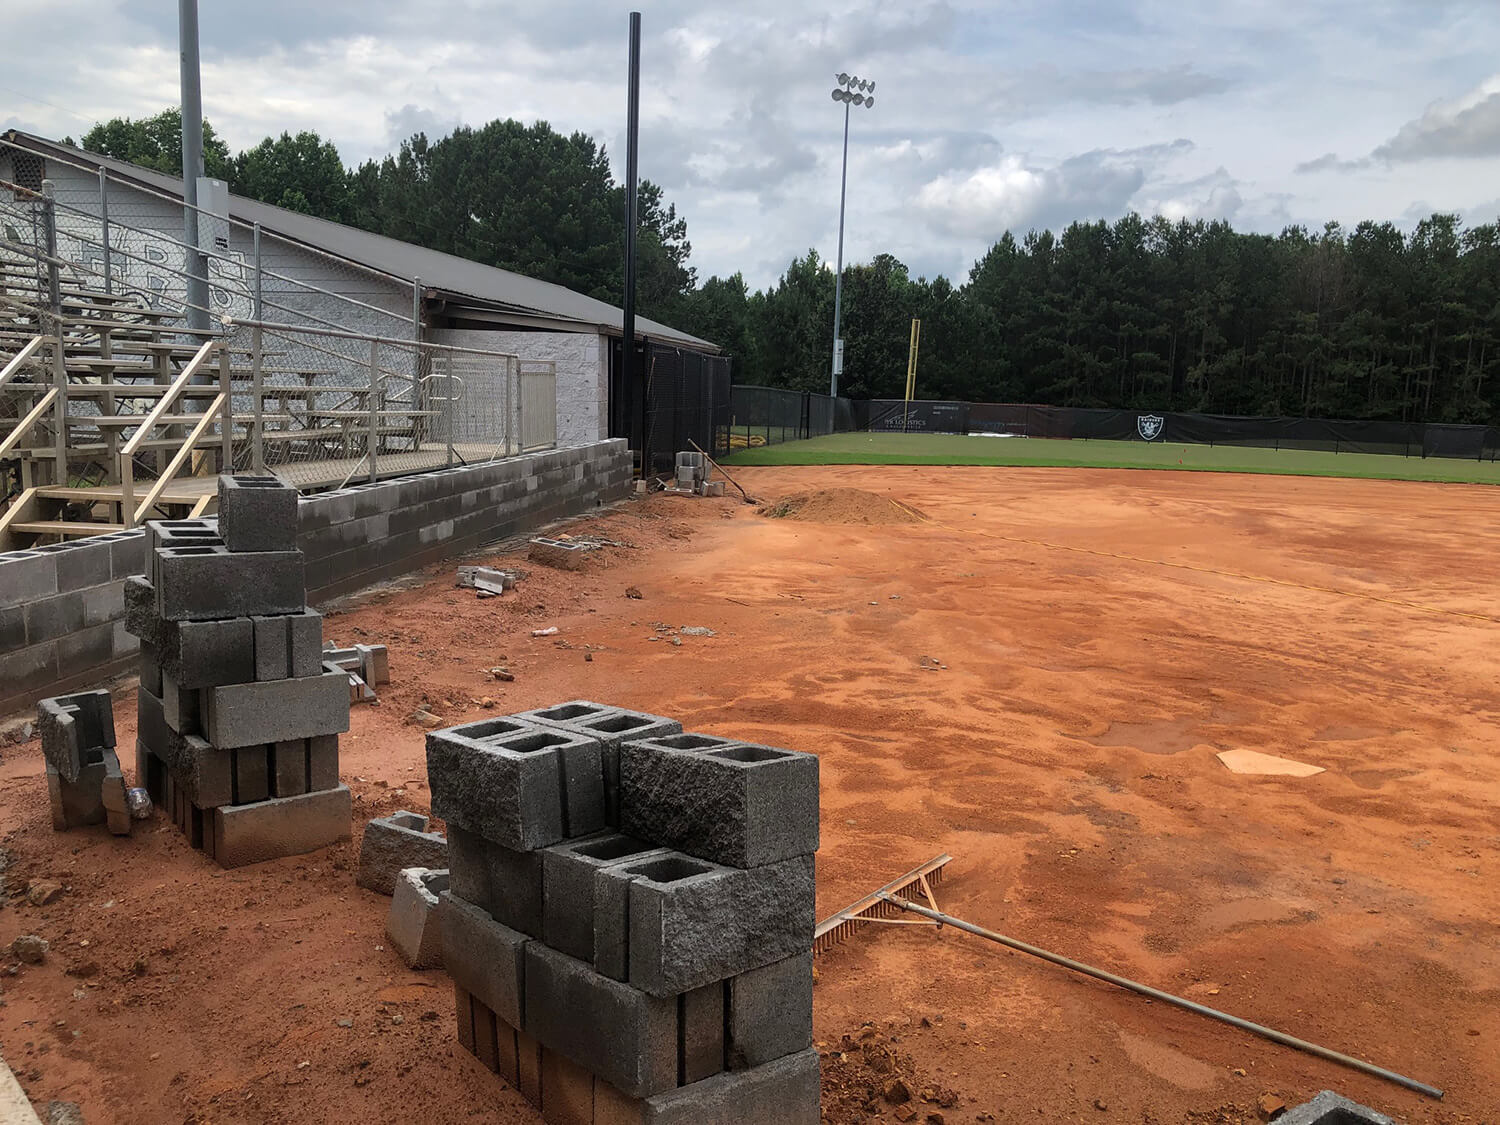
(192, 162)
(838, 284)
(632, 139)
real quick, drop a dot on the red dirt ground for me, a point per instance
(1092, 638)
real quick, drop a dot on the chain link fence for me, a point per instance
(324, 387)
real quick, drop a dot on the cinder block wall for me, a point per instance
(62, 607)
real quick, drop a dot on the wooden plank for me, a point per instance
(65, 528)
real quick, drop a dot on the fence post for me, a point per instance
(259, 299)
(374, 436)
(59, 361)
(257, 400)
(109, 279)
(226, 411)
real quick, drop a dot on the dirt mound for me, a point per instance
(842, 505)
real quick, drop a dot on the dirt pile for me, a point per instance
(842, 505)
(864, 1076)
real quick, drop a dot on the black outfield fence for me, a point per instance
(767, 416)
(770, 416)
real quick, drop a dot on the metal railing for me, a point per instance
(315, 402)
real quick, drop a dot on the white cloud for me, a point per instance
(1468, 126)
(1031, 113)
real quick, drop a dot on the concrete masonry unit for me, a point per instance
(63, 607)
(609, 978)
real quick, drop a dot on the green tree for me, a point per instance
(302, 173)
(156, 143)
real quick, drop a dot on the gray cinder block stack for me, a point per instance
(692, 471)
(238, 722)
(84, 780)
(629, 916)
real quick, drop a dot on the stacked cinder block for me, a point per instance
(84, 780)
(692, 471)
(238, 722)
(629, 915)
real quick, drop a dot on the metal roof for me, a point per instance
(448, 274)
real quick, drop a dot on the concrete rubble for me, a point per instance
(1329, 1108)
(413, 923)
(622, 953)
(84, 780)
(391, 844)
(237, 717)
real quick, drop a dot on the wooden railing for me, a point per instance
(217, 410)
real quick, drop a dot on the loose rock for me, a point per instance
(29, 948)
(43, 892)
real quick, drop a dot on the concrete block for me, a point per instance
(288, 646)
(127, 553)
(612, 915)
(1329, 1108)
(79, 802)
(611, 726)
(257, 513)
(150, 669)
(322, 762)
(567, 883)
(374, 664)
(140, 613)
(412, 923)
(210, 583)
(784, 1092)
(740, 805)
(559, 554)
(506, 883)
(281, 827)
(516, 784)
(72, 725)
(26, 576)
(768, 1012)
(529, 1068)
(200, 654)
(182, 707)
(252, 776)
(691, 922)
(484, 958)
(204, 775)
(391, 844)
(700, 1031)
(84, 564)
(622, 1034)
(486, 1035)
(150, 723)
(463, 1005)
(567, 1091)
(711, 488)
(248, 714)
(287, 767)
(507, 1052)
(112, 796)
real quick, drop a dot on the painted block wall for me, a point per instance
(582, 373)
(62, 607)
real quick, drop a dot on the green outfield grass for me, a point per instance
(955, 449)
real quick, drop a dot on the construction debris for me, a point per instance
(487, 579)
(365, 665)
(561, 554)
(393, 843)
(84, 779)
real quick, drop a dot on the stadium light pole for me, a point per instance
(851, 91)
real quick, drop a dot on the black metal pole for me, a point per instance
(632, 139)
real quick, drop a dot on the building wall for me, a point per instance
(151, 267)
(62, 608)
(582, 374)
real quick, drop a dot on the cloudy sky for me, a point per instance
(1012, 114)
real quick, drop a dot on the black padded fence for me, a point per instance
(769, 416)
(686, 398)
